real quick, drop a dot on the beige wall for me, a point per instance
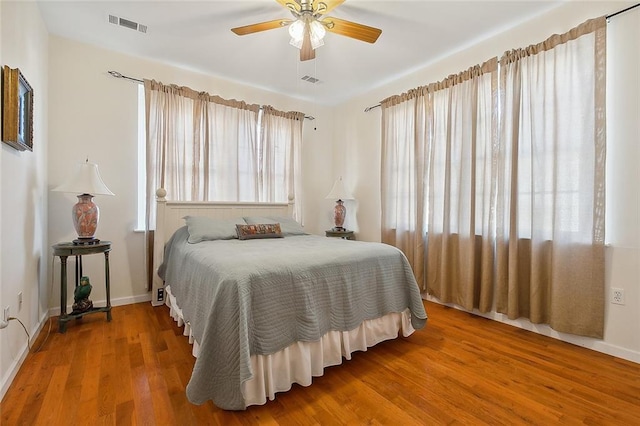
(622, 326)
(359, 135)
(23, 195)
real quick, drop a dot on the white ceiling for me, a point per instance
(196, 35)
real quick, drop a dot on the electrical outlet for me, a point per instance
(5, 317)
(160, 294)
(617, 296)
(19, 300)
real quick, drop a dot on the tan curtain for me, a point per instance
(460, 176)
(402, 176)
(550, 197)
(279, 162)
(437, 173)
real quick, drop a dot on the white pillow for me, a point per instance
(203, 228)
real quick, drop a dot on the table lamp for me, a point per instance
(87, 182)
(339, 193)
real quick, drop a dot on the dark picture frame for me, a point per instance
(17, 110)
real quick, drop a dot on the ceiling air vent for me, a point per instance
(310, 79)
(127, 24)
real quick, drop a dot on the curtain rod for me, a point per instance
(367, 109)
(622, 11)
(116, 74)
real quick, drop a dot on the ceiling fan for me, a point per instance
(309, 25)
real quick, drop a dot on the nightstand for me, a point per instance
(345, 235)
(63, 251)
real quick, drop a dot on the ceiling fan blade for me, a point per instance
(290, 4)
(326, 6)
(351, 29)
(262, 26)
(306, 51)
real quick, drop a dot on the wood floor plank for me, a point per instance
(460, 369)
(31, 408)
(24, 390)
(159, 395)
(142, 397)
(125, 413)
(123, 378)
(48, 414)
(68, 404)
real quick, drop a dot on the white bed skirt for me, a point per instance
(301, 361)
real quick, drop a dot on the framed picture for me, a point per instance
(17, 110)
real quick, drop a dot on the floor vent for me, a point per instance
(127, 24)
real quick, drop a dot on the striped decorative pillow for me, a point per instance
(259, 230)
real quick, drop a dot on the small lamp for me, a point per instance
(340, 211)
(87, 182)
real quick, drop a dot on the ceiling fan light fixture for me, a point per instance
(317, 33)
(296, 31)
(296, 43)
(317, 30)
(315, 43)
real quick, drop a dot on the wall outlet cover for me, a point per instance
(617, 296)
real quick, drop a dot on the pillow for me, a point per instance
(259, 230)
(288, 225)
(208, 229)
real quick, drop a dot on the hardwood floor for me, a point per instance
(460, 369)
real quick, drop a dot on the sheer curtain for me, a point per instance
(550, 199)
(199, 147)
(437, 173)
(279, 158)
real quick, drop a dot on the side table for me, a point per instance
(345, 235)
(64, 250)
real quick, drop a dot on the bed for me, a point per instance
(277, 305)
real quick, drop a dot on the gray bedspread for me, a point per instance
(260, 296)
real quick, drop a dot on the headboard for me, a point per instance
(170, 217)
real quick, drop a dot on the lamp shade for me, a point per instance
(85, 180)
(338, 192)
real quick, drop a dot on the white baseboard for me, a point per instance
(54, 312)
(585, 342)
